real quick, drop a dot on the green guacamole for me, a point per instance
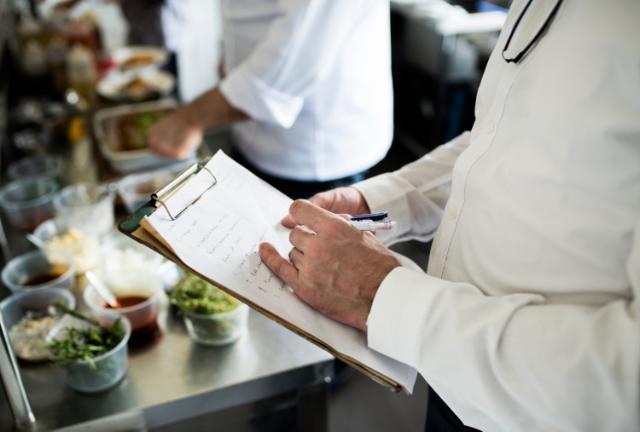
(196, 296)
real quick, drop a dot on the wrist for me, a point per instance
(193, 118)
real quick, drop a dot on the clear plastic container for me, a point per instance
(107, 371)
(29, 202)
(33, 266)
(143, 316)
(43, 166)
(136, 189)
(14, 307)
(217, 329)
(83, 248)
(88, 207)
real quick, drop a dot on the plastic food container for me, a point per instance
(14, 307)
(36, 266)
(129, 270)
(29, 202)
(142, 316)
(105, 125)
(217, 329)
(84, 250)
(37, 166)
(109, 368)
(86, 206)
(136, 189)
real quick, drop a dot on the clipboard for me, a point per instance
(135, 228)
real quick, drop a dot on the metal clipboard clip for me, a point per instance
(162, 195)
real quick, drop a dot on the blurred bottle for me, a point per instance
(81, 166)
(81, 74)
(57, 58)
(57, 47)
(28, 30)
(34, 59)
(85, 32)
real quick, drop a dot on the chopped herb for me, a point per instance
(85, 344)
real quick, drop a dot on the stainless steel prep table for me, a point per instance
(174, 379)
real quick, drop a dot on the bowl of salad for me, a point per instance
(212, 317)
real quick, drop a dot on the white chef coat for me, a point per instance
(185, 24)
(528, 318)
(315, 77)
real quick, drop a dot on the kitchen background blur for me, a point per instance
(80, 83)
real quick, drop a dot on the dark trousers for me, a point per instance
(295, 189)
(440, 418)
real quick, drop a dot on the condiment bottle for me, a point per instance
(81, 73)
(34, 59)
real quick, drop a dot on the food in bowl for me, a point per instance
(212, 317)
(93, 354)
(133, 129)
(29, 316)
(138, 60)
(83, 248)
(129, 58)
(34, 270)
(131, 273)
(136, 85)
(136, 88)
(50, 274)
(141, 311)
(29, 336)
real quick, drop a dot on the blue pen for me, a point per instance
(372, 221)
(370, 216)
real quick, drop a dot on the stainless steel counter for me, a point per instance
(174, 379)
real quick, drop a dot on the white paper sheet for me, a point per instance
(219, 237)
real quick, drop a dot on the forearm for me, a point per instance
(212, 110)
(514, 358)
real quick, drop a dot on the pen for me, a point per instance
(370, 225)
(371, 216)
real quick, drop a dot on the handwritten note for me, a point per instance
(219, 237)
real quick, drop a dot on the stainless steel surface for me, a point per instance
(174, 379)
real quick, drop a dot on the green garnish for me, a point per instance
(85, 344)
(197, 296)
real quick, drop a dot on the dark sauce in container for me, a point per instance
(47, 276)
(127, 301)
(144, 330)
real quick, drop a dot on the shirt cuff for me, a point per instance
(388, 192)
(258, 100)
(395, 326)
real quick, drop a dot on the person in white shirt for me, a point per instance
(528, 318)
(307, 91)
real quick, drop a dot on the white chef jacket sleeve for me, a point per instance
(415, 195)
(271, 83)
(564, 367)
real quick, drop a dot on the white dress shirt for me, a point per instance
(528, 318)
(315, 77)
